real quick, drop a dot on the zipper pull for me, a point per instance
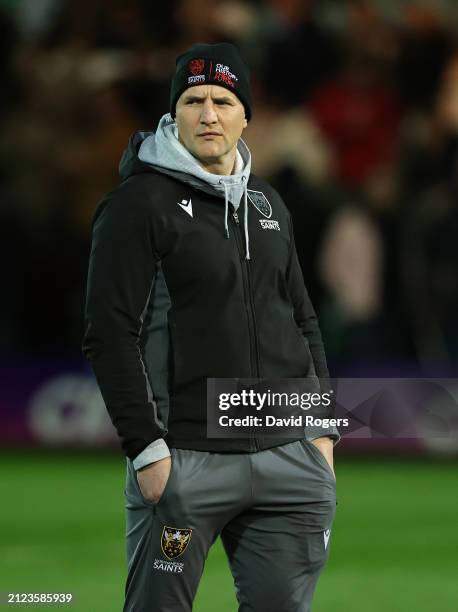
(236, 217)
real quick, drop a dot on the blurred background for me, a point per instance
(356, 124)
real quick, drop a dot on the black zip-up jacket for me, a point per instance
(171, 300)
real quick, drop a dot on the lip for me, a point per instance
(209, 134)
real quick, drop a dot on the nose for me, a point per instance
(208, 115)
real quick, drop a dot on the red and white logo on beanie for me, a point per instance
(196, 66)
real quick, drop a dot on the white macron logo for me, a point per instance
(186, 205)
(326, 536)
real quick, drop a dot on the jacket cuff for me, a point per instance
(152, 453)
(312, 433)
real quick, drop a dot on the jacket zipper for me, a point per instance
(249, 306)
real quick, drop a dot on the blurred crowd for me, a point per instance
(355, 123)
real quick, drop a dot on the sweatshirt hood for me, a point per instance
(164, 152)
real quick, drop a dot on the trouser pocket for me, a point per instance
(133, 488)
(318, 457)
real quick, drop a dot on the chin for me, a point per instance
(210, 153)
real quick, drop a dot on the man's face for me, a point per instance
(210, 120)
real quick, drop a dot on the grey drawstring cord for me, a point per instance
(245, 219)
(226, 207)
(245, 222)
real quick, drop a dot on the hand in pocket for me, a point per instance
(152, 479)
(326, 447)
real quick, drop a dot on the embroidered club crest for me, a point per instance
(259, 201)
(196, 66)
(174, 541)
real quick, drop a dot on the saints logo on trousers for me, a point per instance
(174, 541)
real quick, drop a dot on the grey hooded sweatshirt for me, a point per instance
(165, 152)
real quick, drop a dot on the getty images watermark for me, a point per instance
(357, 407)
(277, 402)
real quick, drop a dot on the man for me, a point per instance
(193, 274)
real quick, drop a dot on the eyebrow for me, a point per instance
(195, 98)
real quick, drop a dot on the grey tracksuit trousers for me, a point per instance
(273, 510)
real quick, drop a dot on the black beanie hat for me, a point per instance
(218, 64)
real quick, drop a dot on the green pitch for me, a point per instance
(394, 542)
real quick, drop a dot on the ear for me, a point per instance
(245, 122)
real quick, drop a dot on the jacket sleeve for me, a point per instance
(121, 274)
(307, 322)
